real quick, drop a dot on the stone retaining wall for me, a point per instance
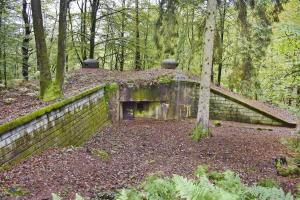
(226, 109)
(71, 124)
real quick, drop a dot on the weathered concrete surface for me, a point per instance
(179, 99)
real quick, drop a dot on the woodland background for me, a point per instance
(256, 51)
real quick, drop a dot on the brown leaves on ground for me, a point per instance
(139, 148)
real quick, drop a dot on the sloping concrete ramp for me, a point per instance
(275, 113)
(179, 99)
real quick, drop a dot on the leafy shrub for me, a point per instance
(217, 123)
(268, 183)
(292, 143)
(207, 186)
(292, 165)
(101, 154)
(199, 133)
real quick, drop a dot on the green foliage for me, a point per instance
(101, 154)
(293, 143)
(16, 191)
(268, 183)
(165, 79)
(217, 123)
(227, 186)
(292, 167)
(129, 194)
(199, 133)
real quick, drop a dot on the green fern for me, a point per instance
(264, 193)
(129, 194)
(159, 189)
(207, 186)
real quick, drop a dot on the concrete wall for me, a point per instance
(179, 99)
(70, 124)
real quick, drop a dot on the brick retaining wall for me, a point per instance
(71, 124)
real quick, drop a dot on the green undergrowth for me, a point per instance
(217, 123)
(101, 154)
(199, 133)
(206, 186)
(290, 166)
(165, 79)
(16, 191)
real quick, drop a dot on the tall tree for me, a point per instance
(41, 50)
(204, 93)
(138, 64)
(122, 56)
(221, 40)
(26, 39)
(95, 7)
(49, 89)
(61, 55)
(247, 65)
(83, 26)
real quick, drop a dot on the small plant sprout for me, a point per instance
(199, 133)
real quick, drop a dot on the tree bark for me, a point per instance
(204, 93)
(247, 65)
(221, 48)
(83, 29)
(1, 40)
(26, 39)
(95, 7)
(41, 48)
(137, 37)
(61, 48)
(122, 56)
(73, 39)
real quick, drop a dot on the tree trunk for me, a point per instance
(247, 65)
(83, 29)
(122, 56)
(41, 49)
(61, 48)
(26, 39)
(1, 39)
(73, 39)
(221, 48)
(95, 7)
(204, 93)
(137, 37)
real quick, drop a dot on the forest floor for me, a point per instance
(126, 153)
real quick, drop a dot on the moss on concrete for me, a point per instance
(38, 113)
(142, 94)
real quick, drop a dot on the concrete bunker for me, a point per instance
(178, 99)
(144, 109)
